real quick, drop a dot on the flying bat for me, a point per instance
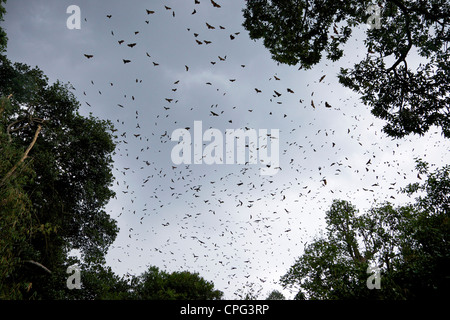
(215, 4)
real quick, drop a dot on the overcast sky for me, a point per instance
(233, 226)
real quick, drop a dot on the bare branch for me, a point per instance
(25, 155)
(403, 55)
(38, 264)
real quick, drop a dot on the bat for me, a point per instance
(215, 4)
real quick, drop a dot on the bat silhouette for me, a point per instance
(215, 4)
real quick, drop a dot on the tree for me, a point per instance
(428, 264)
(16, 221)
(3, 37)
(408, 244)
(275, 295)
(99, 282)
(60, 164)
(410, 99)
(155, 284)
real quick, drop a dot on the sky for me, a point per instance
(235, 227)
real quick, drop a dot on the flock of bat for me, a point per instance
(229, 224)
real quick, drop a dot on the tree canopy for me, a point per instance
(3, 37)
(275, 295)
(155, 284)
(408, 244)
(69, 165)
(409, 98)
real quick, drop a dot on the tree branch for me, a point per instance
(31, 121)
(39, 265)
(25, 155)
(8, 129)
(402, 57)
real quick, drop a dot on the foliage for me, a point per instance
(411, 100)
(276, 295)
(3, 37)
(409, 245)
(68, 181)
(99, 282)
(17, 225)
(155, 284)
(428, 264)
